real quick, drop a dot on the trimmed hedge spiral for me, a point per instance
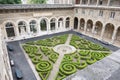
(81, 65)
(53, 57)
(67, 68)
(97, 56)
(91, 61)
(43, 66)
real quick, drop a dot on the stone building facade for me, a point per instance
(95, 18)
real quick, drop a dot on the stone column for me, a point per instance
(56, 25)
(80, 2)
(48, 27)
(16, 30)
(102, 33)
(85, 27)
(114, 35)
(78, 25)
(88, 2)
(93, 29)
(38, 28)
(97, 3)
(64, 21)
(108, 3)
(28, 29)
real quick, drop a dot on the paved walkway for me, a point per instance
(57, 64)
(68, 39)
(21, 63)
(105, 69)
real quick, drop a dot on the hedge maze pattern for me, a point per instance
(42, 54)
(43, 57)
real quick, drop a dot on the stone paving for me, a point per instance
(101, 70)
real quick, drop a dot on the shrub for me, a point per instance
(43, 66)
(91, 61)
(81, 65)
(53, 57)
(67, 68)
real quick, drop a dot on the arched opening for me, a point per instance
(22, 27)
(89, 26)
(43, 25)
(10, 29)
(67, 22)
(117, 39)
(60, 23)
(109, 28)
(98, 29)
(33, 26)
(82, 24)
(75, 23)
(52, 24)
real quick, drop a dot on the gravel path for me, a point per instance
(57, 64)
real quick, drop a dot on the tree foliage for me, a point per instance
(36, 1)
(10, 1)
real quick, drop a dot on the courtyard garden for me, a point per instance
(53, 65)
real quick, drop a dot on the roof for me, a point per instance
(31, 6)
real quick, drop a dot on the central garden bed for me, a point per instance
(44, 55)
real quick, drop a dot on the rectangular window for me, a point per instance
(83, 11)
(76, 10)
(101, 13)
(112, 14)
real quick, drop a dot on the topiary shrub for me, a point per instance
(53, 57)
(31, 55)
(91, 61)
(84, 53)
(36, 60)
(81, 65)
(67, 68)
(97, 55)
(43, 66)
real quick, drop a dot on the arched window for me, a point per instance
(60, 23)
(75, 23)
(33, 26)
(52, 24)
(67, 22)
(43, 25)
(10, 29)
(22, 27)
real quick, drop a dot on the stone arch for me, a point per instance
(82, 24)
(67, 22)
(89, 26)
(75, 23)
(109, 29)
(53, 23)
(33, 26)
(117, 38)
(98, 28)
(61, 23)
(22, 27)
(44, 22)
(9, 27)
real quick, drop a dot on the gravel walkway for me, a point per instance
(57, 64)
